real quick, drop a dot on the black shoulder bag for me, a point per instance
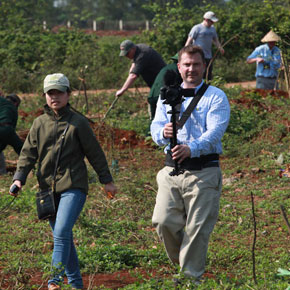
(45, 200)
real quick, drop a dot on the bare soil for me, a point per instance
(123, 139)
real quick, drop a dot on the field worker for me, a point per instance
(203, 35)
(159, 83)
(268, 60)
(187, 204)
(41, 145)
(8, 120)
(147, 62)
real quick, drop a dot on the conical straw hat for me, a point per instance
(270, 36)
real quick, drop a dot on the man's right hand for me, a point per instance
(119, 93)
(168, 130)
(259, 59)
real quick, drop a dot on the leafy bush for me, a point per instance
(26, 57)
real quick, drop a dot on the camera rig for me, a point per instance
(173, 94)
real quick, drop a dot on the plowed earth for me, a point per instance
(121, 139)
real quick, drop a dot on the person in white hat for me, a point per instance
(268, 60)
(203, 35)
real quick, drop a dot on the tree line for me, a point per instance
(55, 12)
(27, 52)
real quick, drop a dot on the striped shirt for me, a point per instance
(203, 130)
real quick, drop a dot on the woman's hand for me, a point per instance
(110, 189)
(15, 188)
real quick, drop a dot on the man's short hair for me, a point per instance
(191, 49)
(14, 99)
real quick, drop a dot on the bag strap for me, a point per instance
(58, 156)
(192, 105)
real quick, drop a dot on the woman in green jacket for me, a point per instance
(71, 182)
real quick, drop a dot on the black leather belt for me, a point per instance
(196, 163)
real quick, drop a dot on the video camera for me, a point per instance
(172, 93)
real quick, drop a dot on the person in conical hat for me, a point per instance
(271, 36)
(268, 61)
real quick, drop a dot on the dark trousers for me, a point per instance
(8, 136)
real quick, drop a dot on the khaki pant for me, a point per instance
(185, 213)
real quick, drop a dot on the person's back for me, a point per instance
(8, 121)
(8, 113)
(148, 63)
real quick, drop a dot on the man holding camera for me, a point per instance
(187, 203)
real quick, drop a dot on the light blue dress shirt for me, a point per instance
(272, 61)
(203, 130)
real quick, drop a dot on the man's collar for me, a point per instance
(196, 88)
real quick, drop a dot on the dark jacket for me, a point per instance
(8, 113)
(8, 121)
(42, 145)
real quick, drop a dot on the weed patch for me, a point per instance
(115, 238)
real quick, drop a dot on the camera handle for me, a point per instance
(173, 141)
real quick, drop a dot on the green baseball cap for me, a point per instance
(57, 81)
(125, 46)
(175, 57)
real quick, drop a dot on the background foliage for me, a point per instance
(28, 53)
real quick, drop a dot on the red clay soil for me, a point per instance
(115, 280)
(248, 101)
(111, 137)
(107, 136)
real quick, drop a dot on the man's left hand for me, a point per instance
(180, 152)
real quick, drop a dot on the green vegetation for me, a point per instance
(116, 235)
(28, 53)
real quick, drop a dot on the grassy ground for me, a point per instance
(116, 236)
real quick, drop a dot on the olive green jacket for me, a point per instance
(42, 145)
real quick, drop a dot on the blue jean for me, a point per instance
(266, 83)
(64, 257)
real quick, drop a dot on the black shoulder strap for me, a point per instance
(192, 105)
